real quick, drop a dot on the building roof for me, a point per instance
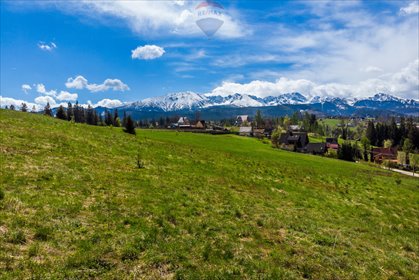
(245, 129)
(243, 118)
(385, 151)
(293, 138)
(259, 130)
(316, 147)
(332, 140)
(183, 120)
(294, 127)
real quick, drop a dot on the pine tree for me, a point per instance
(90, 118)
(108, 118)
(371, 133)
(70, 111)
(61, 113)
(259, 119)
(394, 134)
(129, 126)
(24, 107)
(116, 121)
(12, 107)
(33, 109)
(124, 119)
(47, 110)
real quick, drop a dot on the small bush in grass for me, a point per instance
(33, 250)
(129, 254)
(17, 237)
(42, 233)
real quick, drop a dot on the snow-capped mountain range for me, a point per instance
(194, 101)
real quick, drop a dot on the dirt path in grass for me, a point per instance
(403, 172)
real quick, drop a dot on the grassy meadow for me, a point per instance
(75, 205)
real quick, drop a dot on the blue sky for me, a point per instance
(106, 53)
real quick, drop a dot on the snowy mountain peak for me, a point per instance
(193, 101)
(383, 97)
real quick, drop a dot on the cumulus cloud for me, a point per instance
(43, 100)
(80, 82)
(404, 83)
(147, 52)
(7, 101)
(40, 88)
(166, 18)
(65, 95)
(26, 88)
(109, 103)
(47, 47)
(412, 8)
(113, 84)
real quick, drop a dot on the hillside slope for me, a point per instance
(76, 206)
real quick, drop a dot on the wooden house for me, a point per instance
(246, 131)
(381, 154)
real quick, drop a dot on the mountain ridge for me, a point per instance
(190, 101)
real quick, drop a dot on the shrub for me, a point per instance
(129, 254)
(42, 233)
(17, 237)
(33, 250)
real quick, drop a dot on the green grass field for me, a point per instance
(76, 206)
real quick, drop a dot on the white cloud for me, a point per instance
(65, 95)
(404, 83)
(147, 52)
(109, 84)
(109, 103)
(165, 18)
(372, 69)
(412, 8)
(40, 88)
(78, 82)
(114, 84)
(47, 47)
(43, 100)
(26, 88)
(7, 101)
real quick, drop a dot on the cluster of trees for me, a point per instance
(79, 114)
(378, 134)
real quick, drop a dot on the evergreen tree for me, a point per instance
(116, 121)
(129, 126)
(61, 113)
(90, 118)
(348, 152)
(33, 109)
(47, 110)
(24, 107)
(12, 107)
(108, 118)
(366, 146)
(97, 119)
(259, 119)
(76, 110)
(402, 129)
(124, 120)
(371, 134)
(394, 134)
(6, 107)
(70, 111)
